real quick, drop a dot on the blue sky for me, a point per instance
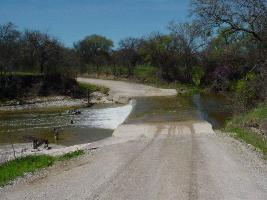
(71, 20)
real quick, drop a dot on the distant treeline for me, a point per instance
(223, 48)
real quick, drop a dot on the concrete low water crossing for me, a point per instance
(98, 122)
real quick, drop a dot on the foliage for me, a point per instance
(94, 49)
(9, 47)
(247, 91)
(127, 55)
(197, 75)
(21, 85)
(146, 74)
(235, 16)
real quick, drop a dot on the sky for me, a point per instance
(72, 20)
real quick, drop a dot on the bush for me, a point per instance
(198, 74)
(87, 87)
(247, 91)
(17, 85)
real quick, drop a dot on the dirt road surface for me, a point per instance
(121, 91)
(150, 161)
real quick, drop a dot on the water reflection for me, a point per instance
(210, 107)
(215, 109)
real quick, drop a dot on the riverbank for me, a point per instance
(42, 103)
(53, 102)
(35, 91)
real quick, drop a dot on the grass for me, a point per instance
(23, 73)
(18, 167)
(70, 155)
(93, 88)
(239, 126)
(15, 168)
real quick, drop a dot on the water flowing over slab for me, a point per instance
(106, 118)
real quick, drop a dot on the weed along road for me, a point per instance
(152, 160)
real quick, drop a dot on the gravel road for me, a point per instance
(155, 161)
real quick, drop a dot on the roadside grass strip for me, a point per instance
(10, 170)
(239, 127)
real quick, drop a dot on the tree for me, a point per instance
(233, 15)
(9, 47)
(42, 53)
(34, 50)
(94, 50)
(188, 40)
(159, 51)
(127, 54)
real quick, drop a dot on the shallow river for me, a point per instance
(99, 121)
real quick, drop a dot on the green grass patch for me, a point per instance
(18, 167)
(93, 88)
(22, 74)
(239, 126)
(70, 155)
(259, 142)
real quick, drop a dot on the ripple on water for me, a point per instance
(92, 124)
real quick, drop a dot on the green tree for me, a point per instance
(158, 50)
(94, 50)
(128, 55)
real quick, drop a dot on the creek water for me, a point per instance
(215, 109)
(99, 121)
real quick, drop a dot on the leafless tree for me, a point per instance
(9, 47)
(188, 39)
